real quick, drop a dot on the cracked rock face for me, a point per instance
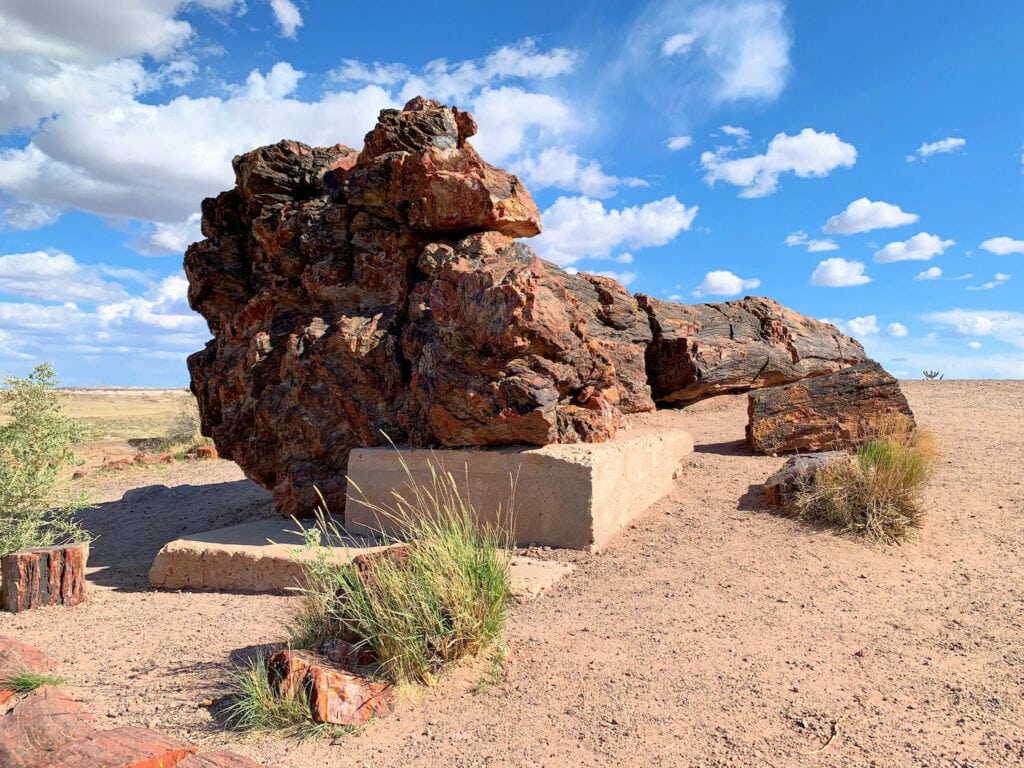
(701, 350)
(353, 295)
(359, 296)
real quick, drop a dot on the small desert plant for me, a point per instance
(932, 375)
(35, 510)
(25, 681)
(878, 495)
(444, 597)
(184, 433)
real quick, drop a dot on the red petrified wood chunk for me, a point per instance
(121, 748)
(16, 656)
(336, 695)
(207, 452)
(219, 759)
(45, 576)
(37, 725)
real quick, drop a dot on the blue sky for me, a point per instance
(860, 162)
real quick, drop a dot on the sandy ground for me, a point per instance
(711, 633)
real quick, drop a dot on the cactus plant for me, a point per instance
(932, 375)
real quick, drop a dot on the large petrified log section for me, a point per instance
(33, 578)
(838, 411)
(357, 294)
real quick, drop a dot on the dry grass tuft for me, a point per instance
(878, 496)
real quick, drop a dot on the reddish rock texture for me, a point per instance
(355, 294)
(128, 747)
(336, 695)
(219, 759)
(38, 724)
(45, 576)
(840, 410)
(701, 350)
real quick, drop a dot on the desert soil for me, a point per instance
(710, 633)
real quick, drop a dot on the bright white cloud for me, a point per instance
(742, 135)
(687, 57)
(995, 282)
(974, 345)
(164, 239)
(896, 330)
(932, 273)
(839, 273)
(624, 258)
(579, 227)
(1003, 325)
(941, 147)
(677, 143)
(1002, 246)
(864, 215)
(623, 277)
(921, 247)
(808, 154)
(54, 277)
(863, 326)
(723, 283)
(813, 246)
(681, 42)
(561, 168)
(278, 83)
(510, 117)
(287, 16)
(76, 33)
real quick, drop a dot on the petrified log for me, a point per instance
(38, 724)
(218, 759)
(700, 350)
(357, 294)
(837, 411)
(129, 747)
(798, 473)
(44, 576)
(336, 695)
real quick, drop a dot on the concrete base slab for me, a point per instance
(574, 496)
(266, 556)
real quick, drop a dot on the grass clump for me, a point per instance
(421, 607)
(26, 681)
(184, 432)
(36, 510)
(878, 495)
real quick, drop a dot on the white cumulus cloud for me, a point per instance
(677, 143)
(1003, 325)
(1002, 246)
(896, 330)
(864, 215)
(932, 273)
(723, 283)
(813, 246)
(54, 277)
(807, 154)
(564, 169)
(941, 147)
(287, 16)
(839, 273)
(579, 227)
(921, 247)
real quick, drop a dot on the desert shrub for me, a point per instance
(36, 509)
(184, 433)
(25, 681)
(878, 495)
(444, 598)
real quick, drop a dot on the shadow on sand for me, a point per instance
(130, 531)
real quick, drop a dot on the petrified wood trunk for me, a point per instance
(45, 576)
(798, 473)
(700, 350)
(840, 410)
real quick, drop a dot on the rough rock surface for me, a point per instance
(44, 576)
(354, 294)
(837, 411)
(798, 473)
(38, 724)
(336, 695)
(700, 350)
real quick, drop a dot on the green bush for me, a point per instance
(36, 510)
(25, 681)
(444, 598)
(878, 496)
